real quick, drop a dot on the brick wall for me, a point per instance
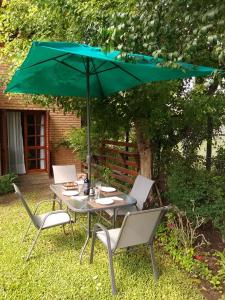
(59, 124)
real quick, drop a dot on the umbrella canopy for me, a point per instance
(69, 69)
(60, 69)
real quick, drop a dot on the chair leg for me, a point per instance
(33, 244)
(72, 231)
(111, 270)
(92, 248)
(53, 203)
(26, 232)
(64, 230)
(75, 217)
(155, 271)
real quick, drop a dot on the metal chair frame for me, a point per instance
(112, 252)
(35, 218)
(141, 188)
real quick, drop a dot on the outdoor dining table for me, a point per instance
(89, 206)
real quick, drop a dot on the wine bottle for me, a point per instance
(86, 185)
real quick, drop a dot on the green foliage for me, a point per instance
(169, 239)
(219, 160)
(188, 186)
(105, 174)
(175, 29)
(77, 141)
(6, 183)
(171, 236)
(55, 257)
(220, 278)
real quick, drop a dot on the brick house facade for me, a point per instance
(55, 126)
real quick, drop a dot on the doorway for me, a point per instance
(24, 141)
(35, 141)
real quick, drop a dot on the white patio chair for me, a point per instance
(66, 173)
(63, 174)
(137, 228)
(140, 191)
(43, 221)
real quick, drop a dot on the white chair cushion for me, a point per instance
(113, 234)
(55, 219)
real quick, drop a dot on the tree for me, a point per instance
(176, 30)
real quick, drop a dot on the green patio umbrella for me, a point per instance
(70, 69)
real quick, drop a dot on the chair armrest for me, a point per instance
(103, 228)
(39, 203)
(53, 213)
(99, 226)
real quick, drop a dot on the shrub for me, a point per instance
(188, 186)
(6, 183)
(77, 141)
(180, 238)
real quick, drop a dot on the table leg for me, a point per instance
(88, 235)
(114, 218)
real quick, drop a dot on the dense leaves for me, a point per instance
(178, 30)
(197, 191)
(6, 183)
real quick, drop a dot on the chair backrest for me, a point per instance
(64, 174)
(140, 227)
(141, 190)
(20, 195)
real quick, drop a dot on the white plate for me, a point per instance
(79, 198)
(104, 201)
(70, 193)
(108, 189)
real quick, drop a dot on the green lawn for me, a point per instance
(54, 271)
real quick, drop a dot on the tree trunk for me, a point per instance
(145, 151)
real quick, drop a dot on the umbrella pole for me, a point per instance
(88, 120)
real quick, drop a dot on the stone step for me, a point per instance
(34, 179)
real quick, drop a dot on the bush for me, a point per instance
(179, 237)
(77, 141)
(6, 183)
(189, 186)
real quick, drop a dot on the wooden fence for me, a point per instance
(121, 158)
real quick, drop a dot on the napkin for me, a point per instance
(117, 198)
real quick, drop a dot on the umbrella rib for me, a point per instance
(102, 64)
(106, 70)
(99, 81)
(69, 66)
(44, 61)
(85, 65)
(132, 75)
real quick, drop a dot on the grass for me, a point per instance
(54, 271)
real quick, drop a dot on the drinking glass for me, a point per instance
(98, 186)
(80, 188)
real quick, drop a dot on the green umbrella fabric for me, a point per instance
(60, 69)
